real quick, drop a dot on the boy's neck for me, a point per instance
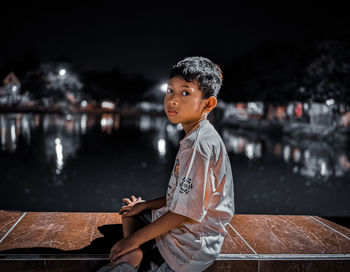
(189, 127)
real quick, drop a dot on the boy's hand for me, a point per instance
(127, 211)
(121, 247)
(132, 201)
(134, 206)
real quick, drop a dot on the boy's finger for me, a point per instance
(126, 200)
(133, 198)
(112, 258)
(115, 255)
(139, 198)
(125, 214)
(125, 208)
(111, 255)
(123, 211)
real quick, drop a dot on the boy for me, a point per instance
(188, 224)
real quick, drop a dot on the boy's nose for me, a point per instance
(173, 101)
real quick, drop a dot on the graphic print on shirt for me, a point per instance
(185, 185)
(176, 170)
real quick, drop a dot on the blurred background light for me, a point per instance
(163, 88)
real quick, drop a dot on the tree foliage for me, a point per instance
(280, 72)
(327, 75)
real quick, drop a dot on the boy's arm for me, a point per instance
(163, 224)
(135, 208)
(155, 203)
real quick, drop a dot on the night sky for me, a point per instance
(148, 40)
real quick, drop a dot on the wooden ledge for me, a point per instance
(56, 241)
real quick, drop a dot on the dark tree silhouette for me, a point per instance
(278, 73)
(327, 75)
(114, 84)
(270, 74)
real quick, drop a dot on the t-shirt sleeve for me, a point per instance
(191, 196)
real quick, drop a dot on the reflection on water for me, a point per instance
(110, 122)
(307, 157)
(311, 158)
(14, 125)
(108, 153)
(62, 139)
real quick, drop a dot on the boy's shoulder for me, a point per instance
(205, 139)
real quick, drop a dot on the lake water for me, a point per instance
(83, 162)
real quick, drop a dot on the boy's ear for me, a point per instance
(211, 103)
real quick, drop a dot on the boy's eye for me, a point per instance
(185, 93)
(169, 90)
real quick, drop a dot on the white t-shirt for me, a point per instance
(200, 188)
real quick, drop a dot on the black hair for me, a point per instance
(203, 71)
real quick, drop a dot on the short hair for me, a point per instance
(203, 71)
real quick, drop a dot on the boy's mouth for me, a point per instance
(172, 112)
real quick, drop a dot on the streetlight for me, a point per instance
(83, 103)
(14, 88)
(330, 102)
(62, 72)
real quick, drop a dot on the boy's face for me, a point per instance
(183, 102)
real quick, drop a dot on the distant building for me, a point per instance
(10, 90)
(243, 111)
